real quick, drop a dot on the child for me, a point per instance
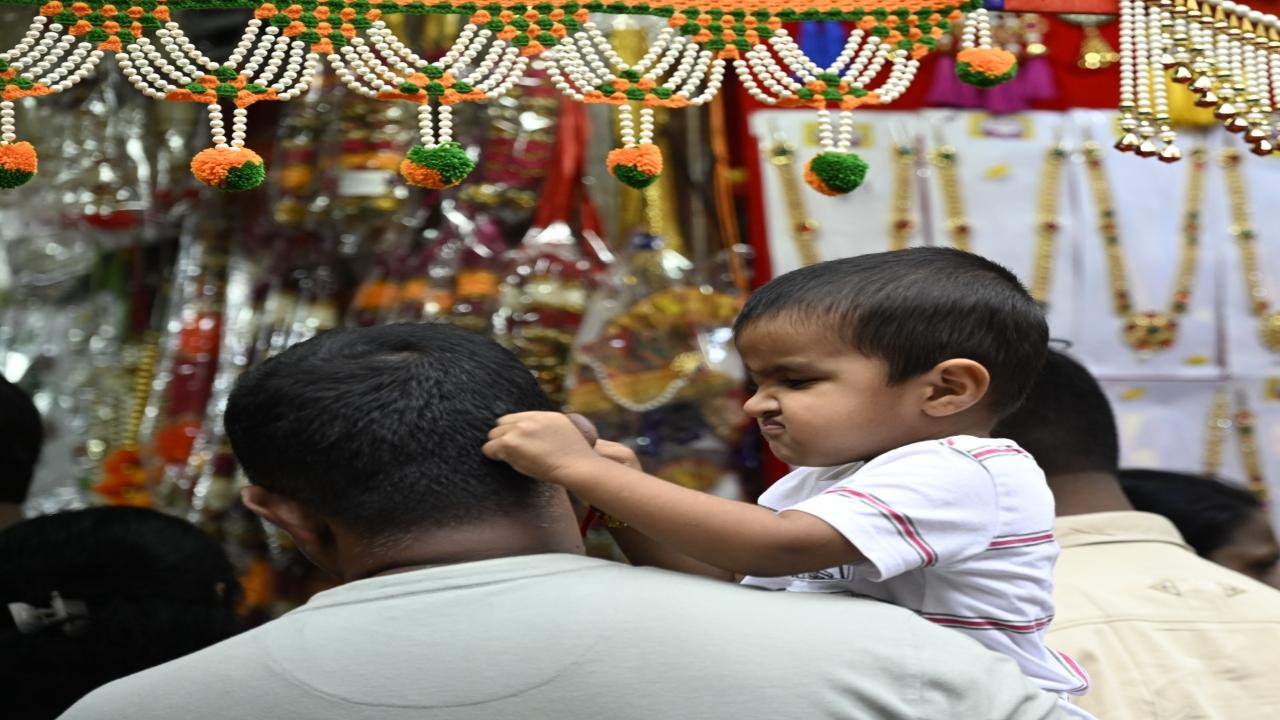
(880, 377)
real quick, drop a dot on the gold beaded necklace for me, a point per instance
(958, 228)
(901, 223)
(1047, 223)
(1221, 420)
(1247, 239)
(782, 156)
(1148, 330)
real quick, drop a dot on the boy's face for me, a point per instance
(820, 403)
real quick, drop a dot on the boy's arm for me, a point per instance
(639, 548)
(727, 534)
(642, 550)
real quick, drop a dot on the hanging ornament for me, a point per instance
(835, 173)
(229, 169)
(978, 63)
(1144, 99)
(17, 163)
(836, 170)
(438, 162)
(1095, 52)
(638, 163)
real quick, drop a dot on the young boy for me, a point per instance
(879, 377)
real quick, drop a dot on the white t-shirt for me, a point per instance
(564, 637)
(959, 530)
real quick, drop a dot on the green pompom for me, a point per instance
(633, 177)
(437, 167)
(835, 173)
(246, 177)
(13, 178)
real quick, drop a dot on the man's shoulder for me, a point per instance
(204, 676)
(1153, 582)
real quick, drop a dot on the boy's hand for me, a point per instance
(618, 453)
(542, 445)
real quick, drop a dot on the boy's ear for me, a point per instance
(954, 386)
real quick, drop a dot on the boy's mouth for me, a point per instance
(772, 428)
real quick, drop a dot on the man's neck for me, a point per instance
(496, 537)
(1087, 492)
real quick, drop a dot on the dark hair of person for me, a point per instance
(153, 588)
(21, 435)
(380, 428)
(1066, 422)
(1206, 511)
(914, 309)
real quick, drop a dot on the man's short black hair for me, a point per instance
(1066, 422)
(381, 427)
(21, 435)
(1207, 512)
(914, 309)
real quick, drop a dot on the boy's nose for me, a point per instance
(759, 405)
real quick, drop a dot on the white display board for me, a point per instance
(1163, 399)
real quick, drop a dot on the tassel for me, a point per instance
(946, 90)
(1183, 111)
(1037, 79)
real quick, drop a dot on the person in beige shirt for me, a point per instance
(1164, 633)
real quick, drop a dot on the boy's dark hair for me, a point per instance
(1206, 512)
(381, 427)
(914, 309)
(1066, 421)
(154, 588)
(21, 435)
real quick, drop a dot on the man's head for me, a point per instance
(890, 348)
(142, 588)
(1066, 422)
(1225, 524)
(377, 431)
(21, 435)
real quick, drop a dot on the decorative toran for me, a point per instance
(285, 44)
(1224, 52)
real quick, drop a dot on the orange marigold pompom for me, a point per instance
(992, 61)
(228, 168)
(985, 67)
(637, 167)
(18, 163)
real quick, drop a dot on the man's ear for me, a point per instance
(310, 532)
(954, 386)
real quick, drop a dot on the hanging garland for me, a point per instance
(1225, 53)
(284, 46)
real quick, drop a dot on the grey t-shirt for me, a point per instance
(566, 637)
